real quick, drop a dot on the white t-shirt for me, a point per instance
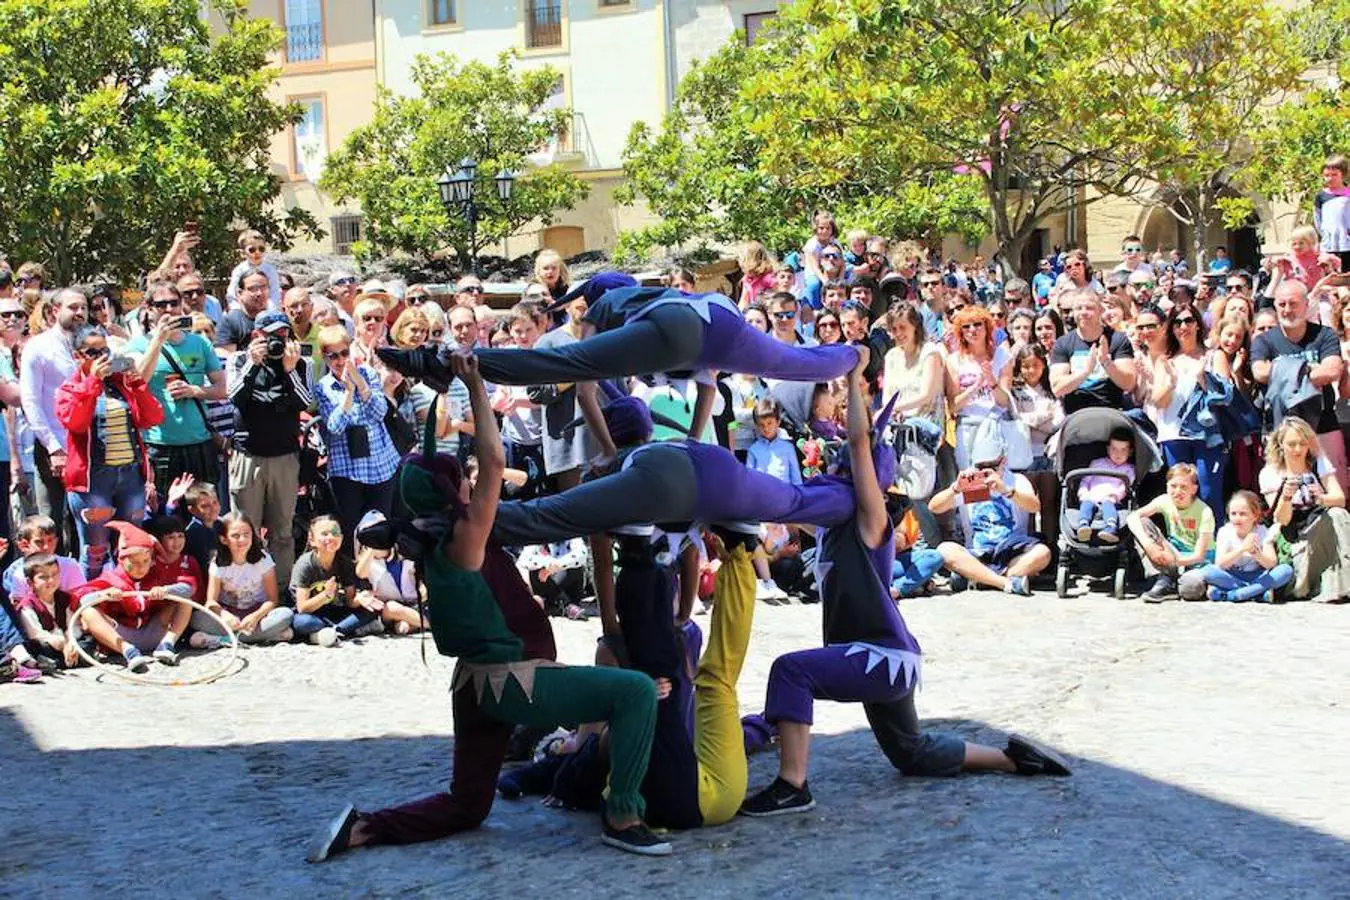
(1227, 540)
(968, 373)
(241, 586)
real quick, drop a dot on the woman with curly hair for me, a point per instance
(979, 376)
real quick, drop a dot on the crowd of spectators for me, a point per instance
(227, 450)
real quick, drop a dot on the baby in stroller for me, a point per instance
(1104, 493)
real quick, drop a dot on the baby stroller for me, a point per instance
(1081, 439)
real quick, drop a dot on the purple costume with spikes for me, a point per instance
(869, 656)
(640, 331)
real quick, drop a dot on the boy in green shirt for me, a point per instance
(1189, 538)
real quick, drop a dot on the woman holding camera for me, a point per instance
(104, 406)
(362, 459)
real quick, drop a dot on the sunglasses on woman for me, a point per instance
(94, 352)
(1184, 320)
(337, 354)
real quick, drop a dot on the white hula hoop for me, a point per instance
(136, 678)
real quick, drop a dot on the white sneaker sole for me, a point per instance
(662, 849)
(785, 811)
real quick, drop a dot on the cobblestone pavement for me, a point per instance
(1209, 742)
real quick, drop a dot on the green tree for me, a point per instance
(489, 112)
(701, 173)
(1046, 106)
(123, 119)
(1297, 135)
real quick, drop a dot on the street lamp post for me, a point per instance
(458, 192)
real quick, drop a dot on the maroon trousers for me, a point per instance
(480, 747)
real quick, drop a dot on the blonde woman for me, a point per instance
(1306, 501)
(411, 329)
(371, 331)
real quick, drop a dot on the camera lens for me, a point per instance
(276, 348)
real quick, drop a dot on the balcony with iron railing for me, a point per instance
(543, 24)
(304, 42)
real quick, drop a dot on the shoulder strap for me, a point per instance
(178, 370)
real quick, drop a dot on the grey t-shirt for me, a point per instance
(563, 449)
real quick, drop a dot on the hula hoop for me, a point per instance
(137, 678)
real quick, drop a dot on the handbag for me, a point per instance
(221, 443)
(402, 433)
(1007, 429)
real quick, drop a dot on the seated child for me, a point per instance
(16, 663)
(1104, 493)
(1245, 565)
(197, 504)
(323, 583)
(242, 590)
(132, 612)
(37, 534)
(915, 562)
(388, 584)
(44, 612)
(171, 556)
(1189, 537)
(556, 574)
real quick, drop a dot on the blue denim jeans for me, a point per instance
(1238, 586)
(120, 488)
(306, 624)
(912, 569)
(1110, 515)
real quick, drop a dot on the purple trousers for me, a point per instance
(674, 482)
(845, 673)
(672, 337)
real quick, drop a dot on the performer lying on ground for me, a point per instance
(481, 612)
(869, 654)
(697, 775)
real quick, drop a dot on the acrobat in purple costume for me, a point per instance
(869, 654)
(674, 482)
(645, 330)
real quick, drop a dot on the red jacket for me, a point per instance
(133, 610)
(76, 406)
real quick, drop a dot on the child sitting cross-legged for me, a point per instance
(393, 585)
(323, 583)
(1246, 566)
(37, 534)
(1103, 493)
(44, 612)
(1189, 537)
(242, 590)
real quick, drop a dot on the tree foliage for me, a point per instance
(123, 119)
(1046, 106)
(1295, 137)
(701, 171)
(489, 112)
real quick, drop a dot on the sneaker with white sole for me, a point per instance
(164, 654)
(779, 799)
(135, 661)
(202, 641)
(637, 839)
(334, 837)
(325, 637)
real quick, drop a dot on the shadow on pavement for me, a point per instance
(232, 820)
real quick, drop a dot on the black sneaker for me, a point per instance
(958, 583)
(637, 839)
(1032, 758)
(779, 799)
(334, 837)
(1163, 589)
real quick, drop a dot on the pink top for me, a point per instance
(1099, 488)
